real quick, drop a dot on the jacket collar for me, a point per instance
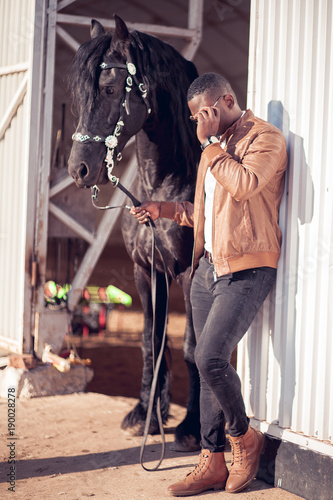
(238, 123)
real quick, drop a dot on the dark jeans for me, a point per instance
(223, 310)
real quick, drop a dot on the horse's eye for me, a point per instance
(109, 90)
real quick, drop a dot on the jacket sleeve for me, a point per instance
(180, 212)
(265, 156)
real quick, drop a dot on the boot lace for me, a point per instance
(202, 463)
(237, 452)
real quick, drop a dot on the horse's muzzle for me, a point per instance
(86, 171)
(80, 174)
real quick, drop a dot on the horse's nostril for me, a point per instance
(83, 170)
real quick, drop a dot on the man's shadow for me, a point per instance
(271, 339)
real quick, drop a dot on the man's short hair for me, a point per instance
(211, 84)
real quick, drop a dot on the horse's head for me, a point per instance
(111, 99)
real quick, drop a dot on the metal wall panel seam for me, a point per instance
(272, 26)
(328, 189)
(284, 328)
(252, 62)
(324, 229)
(312, 231)
(309, 374)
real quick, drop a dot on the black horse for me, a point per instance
(129, 83)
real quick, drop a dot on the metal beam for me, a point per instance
(13, 106)
(70, 222)
(68, 39)
(195, 21)
(153, 29)
(15, 68)
(40, 243)
(61, 186)
(64, 3)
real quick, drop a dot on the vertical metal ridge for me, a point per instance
(291, 66)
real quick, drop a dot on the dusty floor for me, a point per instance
(71, 447)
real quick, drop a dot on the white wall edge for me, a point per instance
(306, 442)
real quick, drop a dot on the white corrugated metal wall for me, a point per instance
(285, 361)
(17, 163)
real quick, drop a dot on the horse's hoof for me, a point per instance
(139, 428)
(188, 443)
(187, 433)
(135, 422)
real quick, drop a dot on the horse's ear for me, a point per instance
(96, 29)
(120, 37)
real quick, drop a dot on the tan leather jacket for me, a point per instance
(250, 182)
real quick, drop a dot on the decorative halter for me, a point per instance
(111, 141)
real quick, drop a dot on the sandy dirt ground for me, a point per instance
(71, 447)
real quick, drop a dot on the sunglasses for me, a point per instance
(217, 100)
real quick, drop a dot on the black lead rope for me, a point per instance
(156, 244)
(156, 366)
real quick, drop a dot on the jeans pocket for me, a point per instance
(242, 282)
(267, 282)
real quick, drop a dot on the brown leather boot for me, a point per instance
(210, 474)
(246, 452)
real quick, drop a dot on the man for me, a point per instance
(237, 246)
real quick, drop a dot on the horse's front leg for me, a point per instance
(187, 434)
(135, 420)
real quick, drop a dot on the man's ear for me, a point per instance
(229, 100)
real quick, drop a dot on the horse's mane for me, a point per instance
(167, 72)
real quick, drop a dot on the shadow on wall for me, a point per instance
(271, 340)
